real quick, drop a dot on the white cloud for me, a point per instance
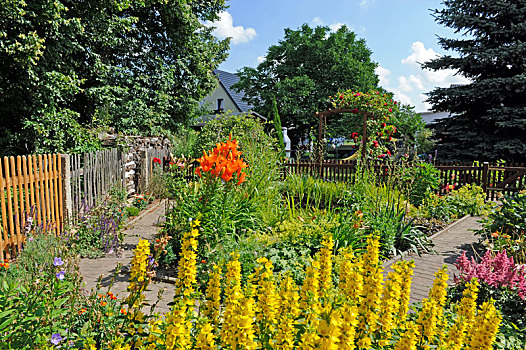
(411, 88)
(419, 55)
(335, 26)
(317, 21)
(224, 28)
(365, 3)
(404, 84)
(382, 75)
(261, 58)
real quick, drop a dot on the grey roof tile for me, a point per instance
(227, 80)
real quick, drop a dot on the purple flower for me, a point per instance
(58, 262)
(56, 338)
(60, 275)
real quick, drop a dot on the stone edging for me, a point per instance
(144, 213)
(447, 228)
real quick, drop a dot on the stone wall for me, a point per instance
(135, 164)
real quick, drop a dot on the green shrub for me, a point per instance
(227, 211)
(437, 207)
(140, 202)
(39, 293)
(132, 211)
(505, 227)
(469, 200)
(260, 151)
(509, 218)
(510, 337)
(420, 181)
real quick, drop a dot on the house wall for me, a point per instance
(228, 104)
(432, 117)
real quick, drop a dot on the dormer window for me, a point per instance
(219, 105)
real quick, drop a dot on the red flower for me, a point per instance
(156, 160)
(383, 125)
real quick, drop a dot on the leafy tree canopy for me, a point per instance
(490, 112)
(71, 66)
(305, 67)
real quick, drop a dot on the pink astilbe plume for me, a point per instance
(498, 271)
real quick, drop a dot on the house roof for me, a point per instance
(227, 79)
(201, 121)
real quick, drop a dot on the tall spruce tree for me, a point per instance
(489, 121)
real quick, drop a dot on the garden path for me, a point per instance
(449, 245)
(143, 227)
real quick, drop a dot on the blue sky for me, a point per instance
(400, 33)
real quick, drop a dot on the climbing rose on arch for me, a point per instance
(223, 162)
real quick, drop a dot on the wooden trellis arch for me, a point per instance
(322, 125)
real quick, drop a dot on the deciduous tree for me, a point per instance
(67, 67)
(303, 69)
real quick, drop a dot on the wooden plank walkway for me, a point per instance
(449, 245)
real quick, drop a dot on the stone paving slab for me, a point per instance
(145, 227)
(449, 245)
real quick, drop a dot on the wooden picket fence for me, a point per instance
(31, 194)
(93, 175)
(495, 179)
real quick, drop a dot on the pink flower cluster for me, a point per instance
(498, 271)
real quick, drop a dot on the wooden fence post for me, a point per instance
(485, 173)
(65, 166)
(145, 172)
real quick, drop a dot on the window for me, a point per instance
(219, 105)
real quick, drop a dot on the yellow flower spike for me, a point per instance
(430, 317)
(409, 339)
(326, 265)
(310, 339)
(329, 329)
(349, 315)
(389, 305)
(237, 329)
(487, 324)
(212, 306)
(288, 313)
(351, 278)
(405, 269)
(267, 299)
(205, 338)
(466, 310)
(187, 280)
(309, 296)
(178, 327)
(368, 310)
(139, 278)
